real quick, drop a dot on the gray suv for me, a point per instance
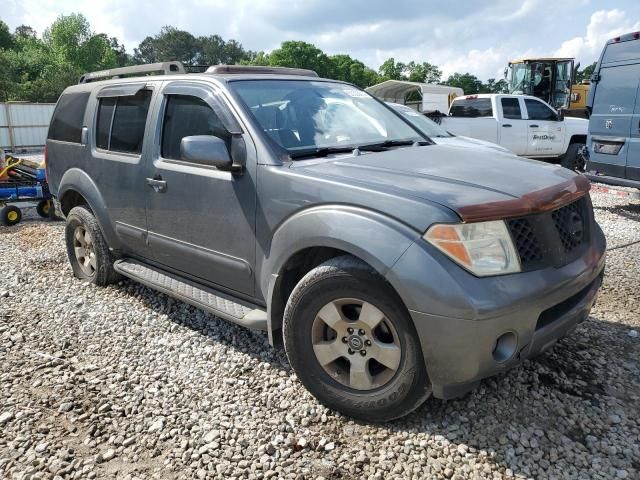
(391, 268)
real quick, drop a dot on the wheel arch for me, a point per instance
(78, 188)
(313, 236)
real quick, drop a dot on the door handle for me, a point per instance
(158, 185)
(534, 126)
(506, 125)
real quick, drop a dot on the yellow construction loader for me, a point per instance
(552, 80)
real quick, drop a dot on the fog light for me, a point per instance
(505, 347)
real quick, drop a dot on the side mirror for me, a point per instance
(560, 114)
(206, 150)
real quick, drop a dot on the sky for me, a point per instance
(478, 37)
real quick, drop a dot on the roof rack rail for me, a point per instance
(254, 69)
(163, 68)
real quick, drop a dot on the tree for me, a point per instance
(423, 72)
(170, 44)
(585, 74)
(493, 86)
(469, 83)
(298, 54)
(25, 31)
(390, 70)
(6, 39)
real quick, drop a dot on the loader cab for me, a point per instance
(548, 79)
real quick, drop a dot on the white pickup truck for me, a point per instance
(523, 124)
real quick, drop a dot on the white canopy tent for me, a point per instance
(434, 97)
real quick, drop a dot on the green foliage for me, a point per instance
(302, 55)
(6, 39)
(469, 83)
(585, 74)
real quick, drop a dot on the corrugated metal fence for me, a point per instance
(24, 124)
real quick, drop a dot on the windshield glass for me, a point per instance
(303, 115)
(420, 121)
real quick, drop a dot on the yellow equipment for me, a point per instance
(550, 79)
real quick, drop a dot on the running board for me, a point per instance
(213, 301)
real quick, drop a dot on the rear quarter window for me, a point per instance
(67, 119)
(618, 52)
(471, 108)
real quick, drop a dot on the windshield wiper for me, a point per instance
(390, 143)
(319, 152)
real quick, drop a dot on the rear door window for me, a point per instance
(511, 108)
(66, 123)
(539, 111)
(471, 107)
(618, 52)
(616, 90)
(184, 116)
(121, 122)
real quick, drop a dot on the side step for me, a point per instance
(217, 303)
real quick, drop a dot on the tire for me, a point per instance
(572, 158)
(10, 215)
(44, 208)
(343, 282)
(87, 249)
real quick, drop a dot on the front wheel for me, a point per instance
(352, 343)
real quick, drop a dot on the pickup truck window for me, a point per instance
(299, 115)
(66, 123)
(511, 108)
(539, 111)
(121, 122)
(471, 107)
(185, 116)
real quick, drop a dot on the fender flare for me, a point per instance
(374, 238)
(77, 180)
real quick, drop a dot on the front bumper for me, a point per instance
(459, 331)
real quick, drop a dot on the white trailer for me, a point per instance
(24, 124)
(428, 97)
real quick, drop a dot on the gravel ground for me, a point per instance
(122, 382)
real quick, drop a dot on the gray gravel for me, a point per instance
(122, 382)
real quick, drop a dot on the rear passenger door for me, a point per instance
(201, 222)
(633, 156)
(513, 130)
(545, 132)
(120, 122)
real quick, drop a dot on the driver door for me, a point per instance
(200, 219)
(545, 132)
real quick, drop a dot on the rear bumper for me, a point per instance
(532, 310)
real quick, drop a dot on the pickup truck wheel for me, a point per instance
(87, 249)
(352, 343)
(572, 159)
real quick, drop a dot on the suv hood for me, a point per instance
(475, 183)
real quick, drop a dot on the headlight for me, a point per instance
(483, 248)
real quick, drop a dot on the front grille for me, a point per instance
(552, 239)
(526, 241)
(571, 223)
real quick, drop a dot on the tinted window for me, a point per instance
(129, 120)
(616, 91)
(616, 52)
(539, 111)
(186, 116)
(66, 123)
(471, 107)
(103, 127)
(511, 108)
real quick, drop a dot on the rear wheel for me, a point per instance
(10, 215)
(573, 158)
(352, 343)
(44, 208)
(87, 249)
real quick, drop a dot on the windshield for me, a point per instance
(420, 121)
(303, 115)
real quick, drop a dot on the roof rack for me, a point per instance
(253, 69)
(163, 68)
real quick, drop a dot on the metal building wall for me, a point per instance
(24, 124)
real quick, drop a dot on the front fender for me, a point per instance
(78, 181)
